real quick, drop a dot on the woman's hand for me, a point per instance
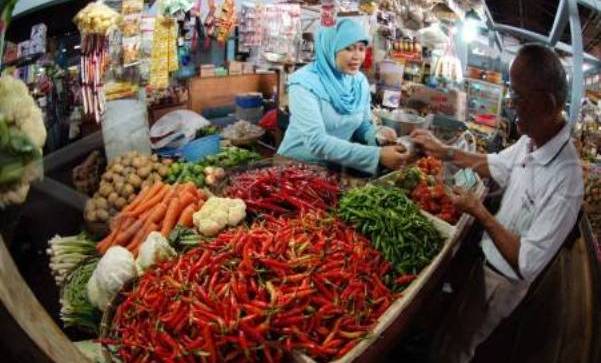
(393, 157)
(431, 145)
(386, 135)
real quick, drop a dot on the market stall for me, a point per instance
(169, 229)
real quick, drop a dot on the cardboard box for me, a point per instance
(207, 70)
(451, 103)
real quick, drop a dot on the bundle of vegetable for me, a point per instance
(309, 284)
(125, 176)
(76, 309)
(94, 22)
(288, 189)
(206, 131)
(209, 171)
(115, 269)
(66, 253)
(86, 176)
(218, 213)
(157, 208)
(394, 224)
(22, 137)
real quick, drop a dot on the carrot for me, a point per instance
(135, 247)
(106, 242)
(186, 217)
(157, 213)
(173, 211)
(187, 198)
(150, 202)
(127, 234)
(143, 195)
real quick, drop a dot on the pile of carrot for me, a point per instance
(159, 207)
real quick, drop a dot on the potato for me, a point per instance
(118, 168)
(154, 157)
(138, 162)
(120, 203)
(167, 162)
(108, 176)
(102, 215)
(117, 186)
(112, 198)
(91, 216)
(144, 171)
(128, 190)
(105, 189)
(91, 204)
(163, 170)
(101, 203)
(118, 179)
(134, 180)
(146, 183)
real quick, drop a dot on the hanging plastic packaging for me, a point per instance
(328, 13)
(125, 128)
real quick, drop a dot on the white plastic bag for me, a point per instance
(177, 128)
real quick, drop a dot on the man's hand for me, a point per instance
(393, 157)
(431, 145)
(466, 201)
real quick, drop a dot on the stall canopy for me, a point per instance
(571, 26)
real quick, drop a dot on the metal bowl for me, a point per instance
(402, 122)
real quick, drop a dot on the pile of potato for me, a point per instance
(124, 177)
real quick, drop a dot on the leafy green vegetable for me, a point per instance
(76, 310)
(394, 224)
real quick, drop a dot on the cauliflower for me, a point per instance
(22, 137)
(114, 270)
(154, 249)
(218, 213)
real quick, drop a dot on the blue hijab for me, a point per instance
(346, 93)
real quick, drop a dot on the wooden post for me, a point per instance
(28, 333)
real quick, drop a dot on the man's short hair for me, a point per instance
(546, 70)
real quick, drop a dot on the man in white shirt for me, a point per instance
(543, 187)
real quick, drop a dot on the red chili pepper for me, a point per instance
(405, 279)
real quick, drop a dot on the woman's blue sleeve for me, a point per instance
(305, 108)
(366, 133)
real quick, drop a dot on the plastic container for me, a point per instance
(402, 122)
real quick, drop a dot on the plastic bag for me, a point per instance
(176, 128)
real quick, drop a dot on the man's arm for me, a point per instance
(463, 159)
(507, 242)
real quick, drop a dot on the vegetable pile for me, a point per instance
(424, 185)
(124, 178)
(157, 208)
(395, 226)
(66, 253)
(209, 171)
(76, 309)
(282, 190)
(310, 284)
(22, 137)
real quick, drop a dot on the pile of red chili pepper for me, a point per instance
(287, 189)
(308, 284)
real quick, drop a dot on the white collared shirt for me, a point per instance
(542, 198)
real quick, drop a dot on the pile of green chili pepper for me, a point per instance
(395, 226)
(308, 284)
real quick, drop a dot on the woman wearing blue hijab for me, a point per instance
(330, 119)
